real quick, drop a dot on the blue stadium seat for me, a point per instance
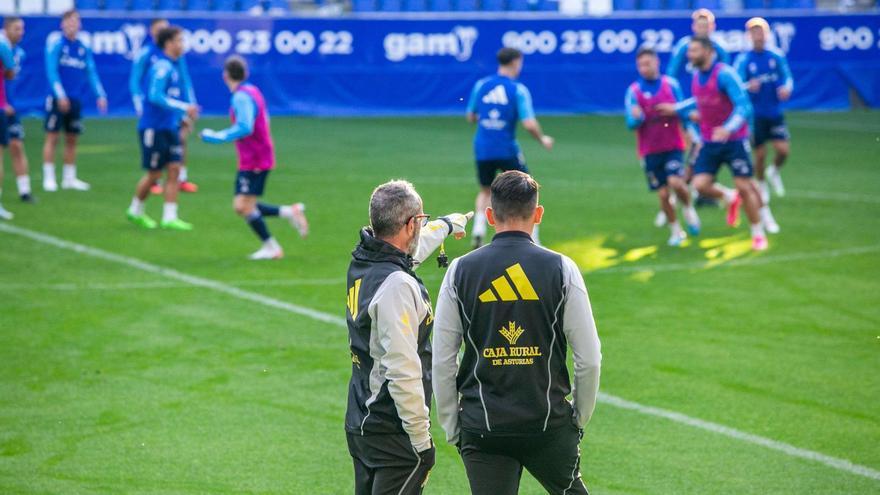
(441, 5)
(625, 5)
(143, 5)
(115, 4)
(802, 4)
(493, 5)
(225, 5)
(415, 5)
(678, 4)
(363, 5)
(391, 5)
(198, 5)
(87, 4)
(279, 6)
(247, 5)
(651, 5)
(754, 4)
(523, 5)
(549, 5)
(170, 5)
(707, 4)
(466, 5)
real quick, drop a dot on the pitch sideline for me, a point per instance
(785, 448)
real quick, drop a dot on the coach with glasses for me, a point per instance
(517, 308)
(389, 323)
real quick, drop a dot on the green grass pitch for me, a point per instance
(114, 380)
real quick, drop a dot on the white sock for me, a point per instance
(182, 177)
(729, 194)
(49, 170)
(285, 212)
(772, 171)
(69, 172)
(758, 230)
(690, 215)
(675, 228)
(24, 184)
(480, 221)
(136, 207)
(169, 212)
(271, 243)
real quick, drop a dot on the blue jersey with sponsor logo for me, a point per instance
(165, 98)
(139, 81)
(70, 68)
(499, 103)
(770, 68)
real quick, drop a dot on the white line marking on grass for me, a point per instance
(785, 448)
(172, 274)
(758, 260)
(102, 286)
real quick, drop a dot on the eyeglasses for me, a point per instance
(423, 219)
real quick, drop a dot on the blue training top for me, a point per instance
(164, 106)
(770, 67)
(138, 81)
(70, 68)
(499, 103)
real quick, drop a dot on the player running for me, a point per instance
(496, 104)
(703, 25)
(70, 68)
(724, 111)
(159, 137)
(137, 85)
(256, 158)
(13, 32)
(7, 67)
(769, 82)
(660, 140)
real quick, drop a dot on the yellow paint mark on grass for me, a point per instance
(590, 254)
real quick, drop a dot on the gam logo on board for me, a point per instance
(458, 43)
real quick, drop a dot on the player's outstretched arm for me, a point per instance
(433, 234)
(245, 110)
(527, 116)
(448, 335)
(690, 126)
(138, 68)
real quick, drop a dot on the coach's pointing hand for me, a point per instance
(459, 222)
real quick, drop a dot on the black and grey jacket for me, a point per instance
(516, 307)
(389, 324)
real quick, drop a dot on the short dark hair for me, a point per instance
(236, 67)
(514, 196)
(167, 34)
(157, 20)
(507, 55)
(69, 13)
(10, 20)
(646, 50)
(705, 41)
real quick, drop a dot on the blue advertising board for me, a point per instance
(416, 65)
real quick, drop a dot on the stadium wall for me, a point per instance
(373, 65)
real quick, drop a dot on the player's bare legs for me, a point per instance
(760, 156)
(169, 210)
(480, 222)
(4, 215)
(50, 183)
(680, 189)
(136, 211)
(781, 149)
(20, 166)
(69, 179)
